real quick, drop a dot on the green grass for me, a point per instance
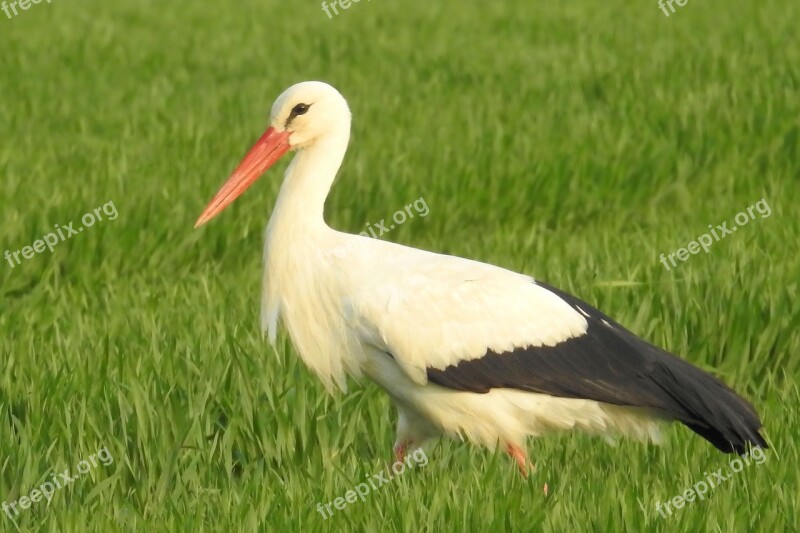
(573, 142)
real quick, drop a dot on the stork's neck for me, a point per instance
(298, 213)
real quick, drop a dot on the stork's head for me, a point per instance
(303, 115)
(307, 111)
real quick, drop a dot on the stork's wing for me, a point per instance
(433, 311)
(473, 327)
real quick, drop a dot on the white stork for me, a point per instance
(463, 348)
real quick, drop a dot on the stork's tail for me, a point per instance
(682, 391)
(707, 406)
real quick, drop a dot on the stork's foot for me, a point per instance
(400, 451)
(518, 454)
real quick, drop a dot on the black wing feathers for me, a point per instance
(612, 365)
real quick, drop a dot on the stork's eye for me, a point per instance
(300, 109)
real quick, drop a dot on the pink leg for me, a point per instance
(518, 454)
(400, 451)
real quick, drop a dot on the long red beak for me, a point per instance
(264, 153)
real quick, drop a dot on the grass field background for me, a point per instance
(574, 142)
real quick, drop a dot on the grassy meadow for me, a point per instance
(574, 141)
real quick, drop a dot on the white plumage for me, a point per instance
(462, 347)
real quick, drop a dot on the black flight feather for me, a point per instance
(612, 365)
